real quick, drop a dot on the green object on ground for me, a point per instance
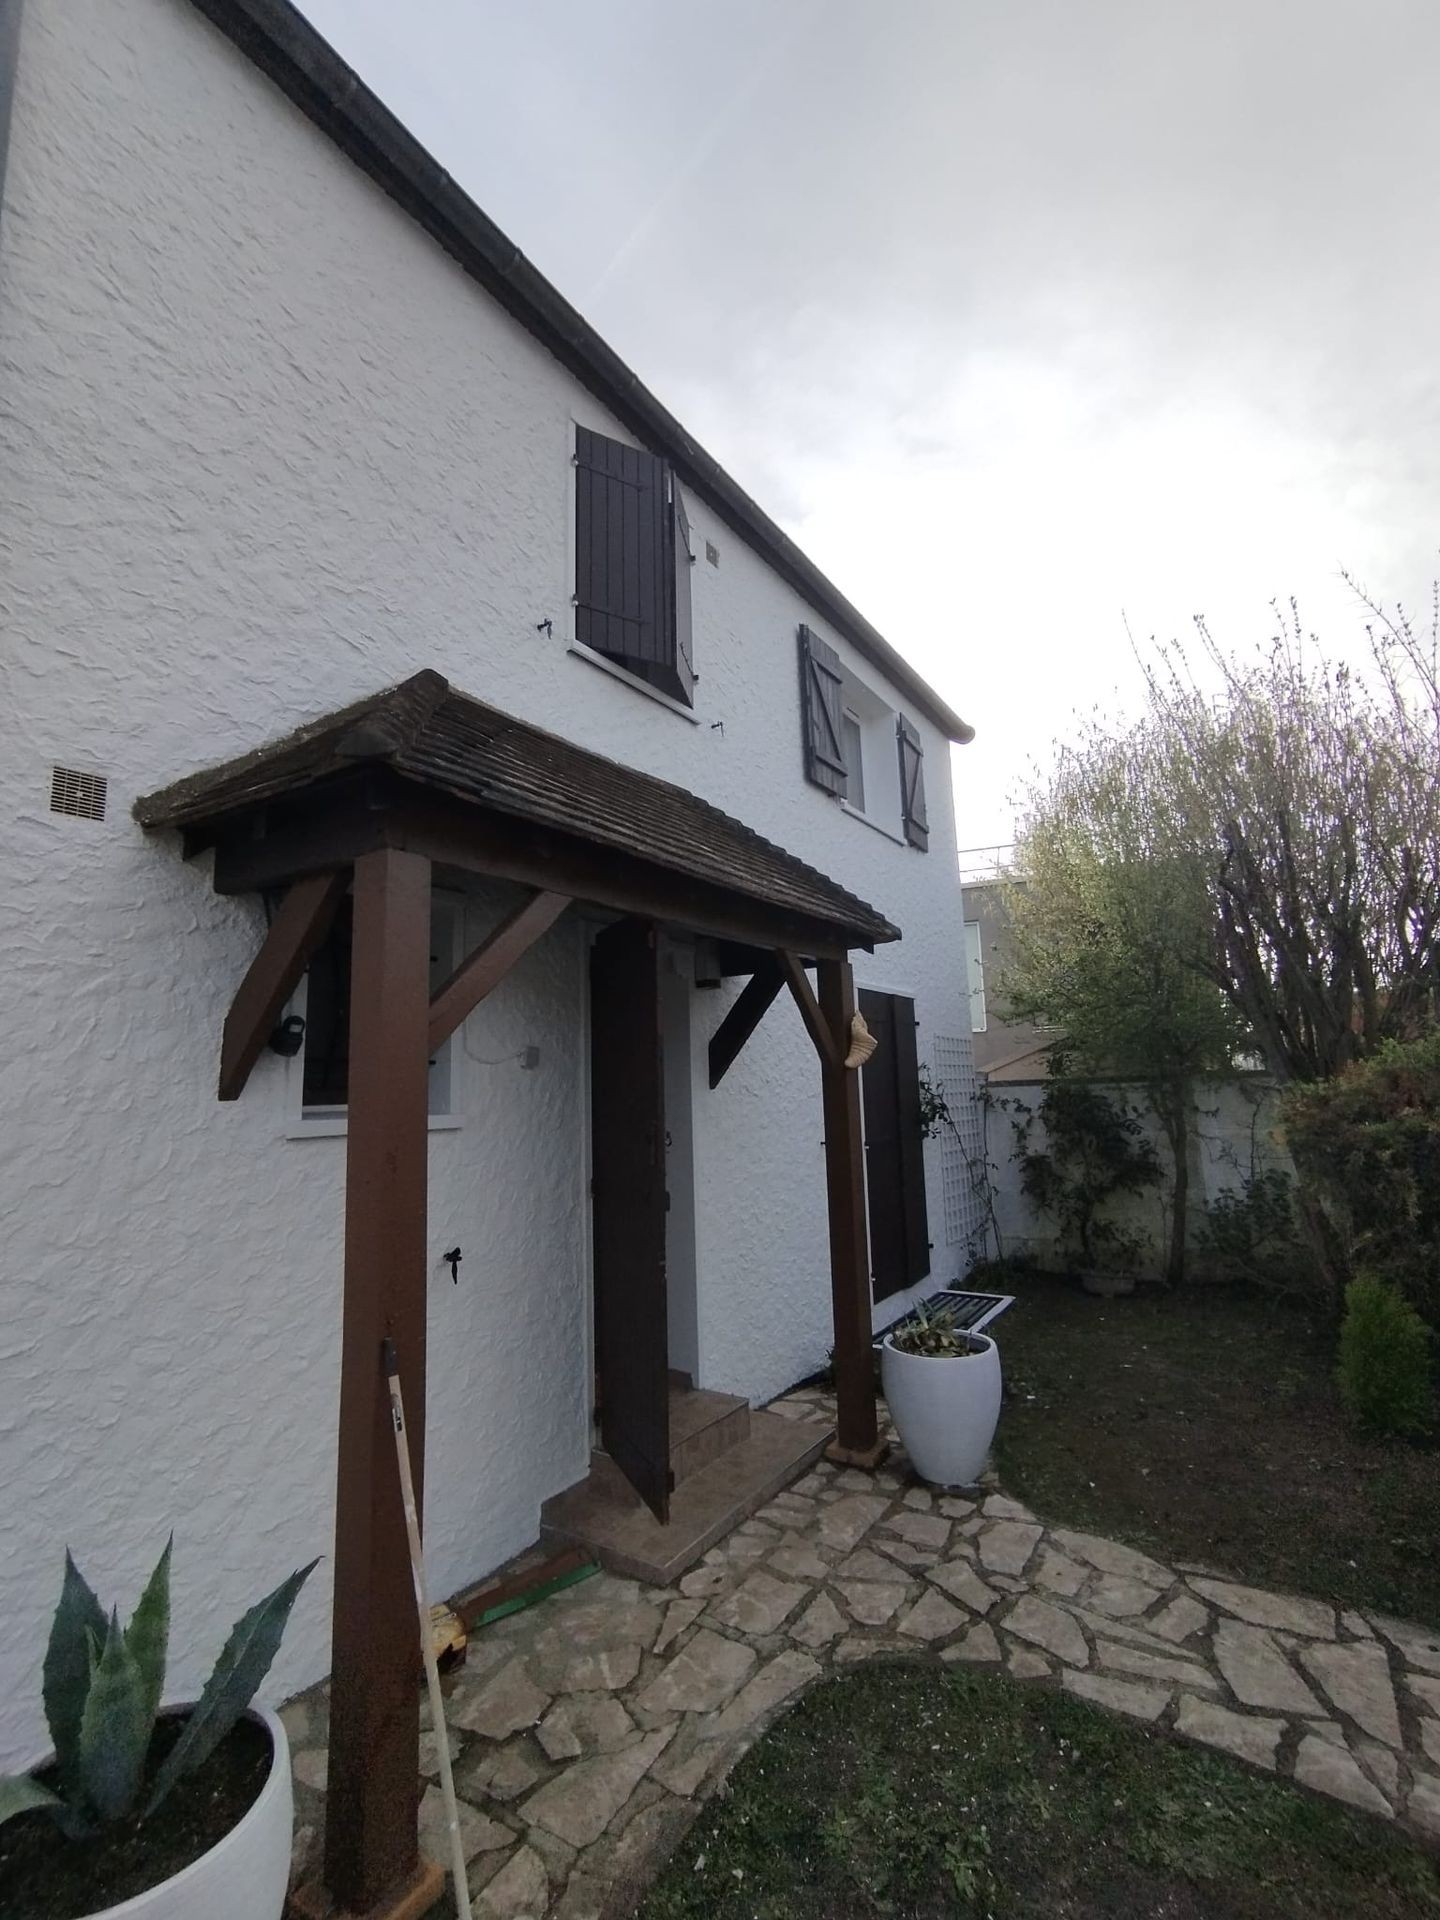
(536, 1594)
(1384, 1367)
(909, 1789)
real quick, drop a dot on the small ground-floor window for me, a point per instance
(326, 1058)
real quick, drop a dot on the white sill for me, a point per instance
(582, 652)
(874, 825)
(335, 1126)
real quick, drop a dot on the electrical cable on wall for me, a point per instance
(529, 1057)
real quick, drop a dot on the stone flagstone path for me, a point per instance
(586, 1732)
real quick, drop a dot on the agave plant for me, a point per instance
(102, 1688)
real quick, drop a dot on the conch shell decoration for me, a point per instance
(862, 1042)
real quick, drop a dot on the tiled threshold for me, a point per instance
(604, 1514)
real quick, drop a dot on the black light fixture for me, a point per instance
(288, 1037)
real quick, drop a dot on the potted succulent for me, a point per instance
(942, 1387)
(146, 1812)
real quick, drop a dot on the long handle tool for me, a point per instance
(422, 1608)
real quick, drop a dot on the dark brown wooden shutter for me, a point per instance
(894, 1147)
(821, 716)
(912, 1142)
(625, 560)
(684, 560)
(912, 783)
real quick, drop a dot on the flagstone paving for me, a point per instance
(586, 1732)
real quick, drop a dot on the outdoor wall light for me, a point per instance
(288, 1037)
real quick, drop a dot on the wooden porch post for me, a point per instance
(373, 1796)
(857, 1440)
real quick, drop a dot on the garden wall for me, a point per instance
(1235, 1134)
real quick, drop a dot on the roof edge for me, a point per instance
(303, 64)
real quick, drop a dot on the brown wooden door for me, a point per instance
(894, 1146)
(627, 1155)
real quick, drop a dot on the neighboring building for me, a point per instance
(294, 437)
(1003, 1049)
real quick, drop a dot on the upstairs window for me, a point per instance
(633, 555)
(853, 740)
(858, 748)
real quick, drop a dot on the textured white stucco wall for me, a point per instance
(265, 449)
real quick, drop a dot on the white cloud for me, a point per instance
(1021, 316)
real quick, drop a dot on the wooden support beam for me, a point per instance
(372, 1801)
(482, 971)
(755, 1001)
(296, 932)
(857, 1439)
(336, 829)
(831, 1054)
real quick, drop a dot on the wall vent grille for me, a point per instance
(81, 795)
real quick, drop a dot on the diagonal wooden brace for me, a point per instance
(816, 1025)
(755, 1001)
(483, 970)
(296, 932)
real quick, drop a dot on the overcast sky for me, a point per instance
(1022, 316)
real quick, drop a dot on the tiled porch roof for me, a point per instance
(444, 741)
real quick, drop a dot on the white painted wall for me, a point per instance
(265, 449)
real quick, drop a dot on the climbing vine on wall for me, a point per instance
(1095, 1152)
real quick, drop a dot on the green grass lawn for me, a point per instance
(1205, 1426)
(913, 1790)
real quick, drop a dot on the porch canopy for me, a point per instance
(374, 799)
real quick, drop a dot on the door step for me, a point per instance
(605, 1515)
(704, 1425)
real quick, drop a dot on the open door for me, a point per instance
(627, 1155)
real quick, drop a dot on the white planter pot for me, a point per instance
(246, 1875)
(945, 1410)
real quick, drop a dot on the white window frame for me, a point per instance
(875, 717)
(975, 976)
(447, 932)
(849, 720)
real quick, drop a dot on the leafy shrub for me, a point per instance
(1367, 1149)
(1096, 1152)
(1250, 1233)
(1384, 1370)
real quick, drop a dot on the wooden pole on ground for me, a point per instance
(422, 1627)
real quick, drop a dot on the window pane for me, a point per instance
(327, 1013)
(976, 968)
(854, 762)
(327, 1016)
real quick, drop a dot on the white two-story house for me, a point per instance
(450, 830)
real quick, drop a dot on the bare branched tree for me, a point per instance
(1304, 797)
(1254, 863)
